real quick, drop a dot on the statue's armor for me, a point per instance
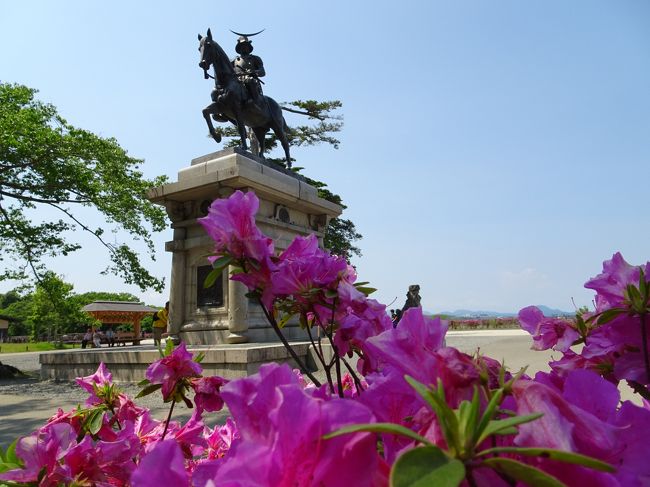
(247, 64)
(249, 68)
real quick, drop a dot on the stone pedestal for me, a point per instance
(288, 207)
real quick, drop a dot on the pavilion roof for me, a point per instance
(118, 306)
(118, 311)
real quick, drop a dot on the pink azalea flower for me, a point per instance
(221, 438)
(172, 368)
(127, 410)
(43, 451)
(410, 347)
(547, 332)
(249, 399)
(290, 452)
(190, 436)
(358, 322)
(100, 378)
(104, 463)
(61, 416)
(392, 400)
(632, 461)
(303, 266)
(207, 396)
(163, 465)
(564, 426)
(610, 286)
(231, 224)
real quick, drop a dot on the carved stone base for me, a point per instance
(288, 207)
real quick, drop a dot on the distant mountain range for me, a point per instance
(468, 313)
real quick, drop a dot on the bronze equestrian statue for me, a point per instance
(237, 97)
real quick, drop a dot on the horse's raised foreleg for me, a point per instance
(207, 111)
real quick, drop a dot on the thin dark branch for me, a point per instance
(110, 248)
(313, 344)
(169, 418)
(289, 348)
(39, 200)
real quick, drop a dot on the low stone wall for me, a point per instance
(228, 361)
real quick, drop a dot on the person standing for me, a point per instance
(88, 336)
(97, 339)
(110, 336)
(160, 323)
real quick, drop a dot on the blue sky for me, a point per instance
(493, 152)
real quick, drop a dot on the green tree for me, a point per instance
(9, 298)
(18, 304)
(341, 233)
(46, 162)
(54, 310)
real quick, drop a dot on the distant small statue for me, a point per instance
(412, 297)
(412, 301)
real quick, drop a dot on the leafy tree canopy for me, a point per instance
(340, 234)
(46, 162)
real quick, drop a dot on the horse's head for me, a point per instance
(207, 53)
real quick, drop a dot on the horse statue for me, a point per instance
(231, 101)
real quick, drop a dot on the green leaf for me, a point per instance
(488, 414)
(285, 318)
(446, 417)
(169, 348)
(254, 295)
(531, 476)
(211, 278)
(199, 357)
(559, 455)
(144, 382)
(390, 428)
(468, 419)
(426, 466)
(222, 262)
(495, 426)
(366, 290)
(94, 421)
(331, 294)
(609, 315)
(148, 390)
(5, 467)
(10, 455)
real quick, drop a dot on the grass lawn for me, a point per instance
(32, 347)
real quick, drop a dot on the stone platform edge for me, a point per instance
(230, 362)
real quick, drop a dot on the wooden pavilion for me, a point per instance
(114, 312)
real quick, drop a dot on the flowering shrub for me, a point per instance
(398, 407)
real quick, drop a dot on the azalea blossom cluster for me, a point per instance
(612, 340)
(399, 406)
